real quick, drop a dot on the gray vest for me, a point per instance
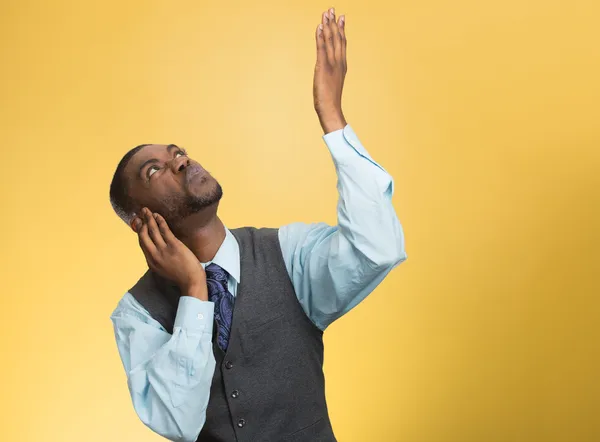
(269, 384)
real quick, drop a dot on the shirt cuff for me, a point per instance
(194, 314)
(344, 146)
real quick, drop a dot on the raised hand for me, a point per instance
(330, 71)
(168, 256)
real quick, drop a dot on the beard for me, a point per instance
(180, 206)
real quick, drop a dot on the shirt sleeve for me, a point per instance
(333, 268)
(169, 376)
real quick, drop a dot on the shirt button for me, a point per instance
(241, 423)
(228, 365)
(235, 393)
(200, 316)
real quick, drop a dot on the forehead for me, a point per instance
(150, 151)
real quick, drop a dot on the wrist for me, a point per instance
(331, 123)
(196, 289)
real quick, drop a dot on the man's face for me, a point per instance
(164, 179)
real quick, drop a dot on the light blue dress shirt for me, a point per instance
(332, 269)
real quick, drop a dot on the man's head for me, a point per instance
(164, 179)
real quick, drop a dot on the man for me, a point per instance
(221, 338)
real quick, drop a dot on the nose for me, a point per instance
(179, 164)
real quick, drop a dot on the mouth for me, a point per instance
(193, 171)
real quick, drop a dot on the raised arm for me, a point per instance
(333, 268)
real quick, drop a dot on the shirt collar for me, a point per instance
(228, 256)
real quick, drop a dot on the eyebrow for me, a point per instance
(154, 160)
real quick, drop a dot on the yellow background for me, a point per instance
(485, 113)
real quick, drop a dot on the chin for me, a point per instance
(181, 206)
(217, 193)
(209, 197)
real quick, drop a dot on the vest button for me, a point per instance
(228, 365)
(235, 393)
(241, 423)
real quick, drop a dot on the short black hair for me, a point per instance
(120, 200)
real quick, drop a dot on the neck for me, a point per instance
(202, 234)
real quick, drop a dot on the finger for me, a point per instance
(337, 36)
(321, 51)
(169, 237)
(136, 223)
(153, 230)
(342, 26)
(328, 36)
(146, 243)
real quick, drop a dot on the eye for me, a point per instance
(149, 172)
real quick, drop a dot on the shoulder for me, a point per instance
(129, 307)
(257, 242)
(130, 303)
(255, 234)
